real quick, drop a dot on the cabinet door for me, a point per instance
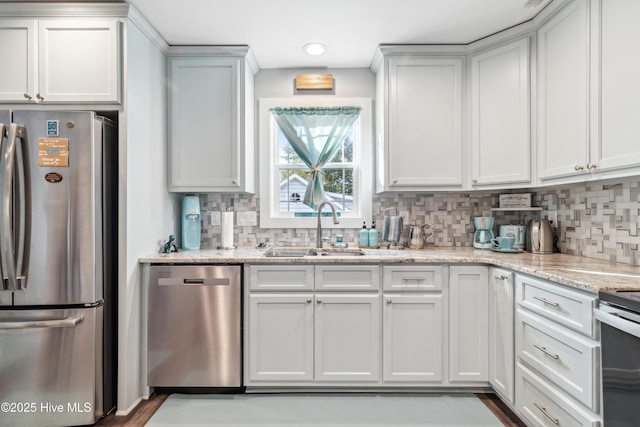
(413, 338)
(280, 337)
(79, 61)
(616, 138)
(563, 69)
(468, 324)
(425, 122)
(501, 332)
(347, 337)
(18, 40)
(204, 108)
(500, 142)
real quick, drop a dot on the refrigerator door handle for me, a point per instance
(57, 323)
(23, 204)
(7, 249)
(3, 284)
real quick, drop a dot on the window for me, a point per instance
(284, 177)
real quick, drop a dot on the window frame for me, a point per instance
(270, 216)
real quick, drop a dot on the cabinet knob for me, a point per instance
(503, 277)
(40, 97)
(389, 301)
(475, 181)
(318, 301)
(579, 168)
(233, 181)
(395, 180)
(309, 301)
(591, 166)
(29, 97)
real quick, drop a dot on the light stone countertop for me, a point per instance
(587, 274)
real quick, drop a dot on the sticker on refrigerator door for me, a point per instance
(53, 177)
(53, 152)
(52, 128)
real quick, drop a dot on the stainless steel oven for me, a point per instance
(619, 316)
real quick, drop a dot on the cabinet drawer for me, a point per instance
(542, 405)
(349, 278)
(280, 277)
(412, 278)
(564, 358)
(570, 308)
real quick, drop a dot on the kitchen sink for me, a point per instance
(288, 252)
(294, 252)
(337, 252)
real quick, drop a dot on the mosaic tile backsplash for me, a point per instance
(595, 220)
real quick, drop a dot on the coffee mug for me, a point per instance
(503, 242)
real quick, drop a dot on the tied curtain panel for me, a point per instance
(315, 135)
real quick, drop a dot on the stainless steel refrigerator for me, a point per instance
(58, 243)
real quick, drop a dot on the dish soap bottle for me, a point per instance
(364, 235)
(373, 235)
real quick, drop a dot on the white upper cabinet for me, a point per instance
(615, 140)
(500, 111)
(563, 93)
(18, 44)
(420, 144)
(60, 61)
(211, 112)
(79, 61)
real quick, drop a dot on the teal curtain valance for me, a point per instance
(315, 134)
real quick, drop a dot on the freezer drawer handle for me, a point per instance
(171, 281)
(58, 323)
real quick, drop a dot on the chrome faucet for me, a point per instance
(335, 221)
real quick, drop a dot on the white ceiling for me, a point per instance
(276, 30)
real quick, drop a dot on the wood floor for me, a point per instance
(144, 411)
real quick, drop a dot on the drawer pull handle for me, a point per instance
(546, 414)
(545, 351)
(504, 277)
(406, 279)
(546, 301)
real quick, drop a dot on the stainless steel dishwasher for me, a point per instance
(194, 329)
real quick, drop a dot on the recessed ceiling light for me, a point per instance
(315, 48)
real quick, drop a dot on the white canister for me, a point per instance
(517, 231)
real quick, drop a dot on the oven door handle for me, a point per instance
(615, 318)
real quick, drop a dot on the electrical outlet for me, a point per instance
(552, 216)
(215, 218)
(248, 218)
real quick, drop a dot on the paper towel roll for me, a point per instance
(227, 230)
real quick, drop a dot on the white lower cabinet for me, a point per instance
(413, 338)
(347, 337)
(312, 336)
(557, 357)
(501, 330)
(541, 405)
(280, 337)
(468, 324)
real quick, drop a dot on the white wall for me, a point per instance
(348, 83)
(147, 210)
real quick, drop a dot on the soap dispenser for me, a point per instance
(364, 235)
(373, 235)
(191, 223)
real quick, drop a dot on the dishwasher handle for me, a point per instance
(619, 319)
(180, 281)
